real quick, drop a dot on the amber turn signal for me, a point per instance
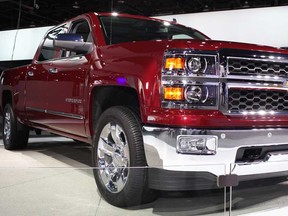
(173, 93)
(174, 63)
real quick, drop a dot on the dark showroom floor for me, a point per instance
(53, 176)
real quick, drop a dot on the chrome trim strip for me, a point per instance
(68, 115)
(269, 59)
(270, 79)
(256, 113)
(36, 109)
(186, 81)
(206, 78)
(248, 86)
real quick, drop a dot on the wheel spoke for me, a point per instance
(115, 133)
(121, 152)
(7, 126)
(119, 160)
(112, 187)
(105, 147)
(104, 176)
(121, 178)
(117, 179)
(113, 157)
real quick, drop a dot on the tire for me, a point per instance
(15, 134)
(118, 145)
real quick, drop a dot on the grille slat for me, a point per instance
(243, 66)
(243, 100)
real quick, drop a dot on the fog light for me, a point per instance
(197, 144)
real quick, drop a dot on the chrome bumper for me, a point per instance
(161, 152)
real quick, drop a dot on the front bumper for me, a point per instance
(204, 171)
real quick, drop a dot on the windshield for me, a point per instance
(125, 29)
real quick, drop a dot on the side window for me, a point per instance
(47, 50)
(81, 28)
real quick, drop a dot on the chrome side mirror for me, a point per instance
(72, 42)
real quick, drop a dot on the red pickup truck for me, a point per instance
(147, 93)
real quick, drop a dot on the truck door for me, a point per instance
(66, 87)
(37, 77)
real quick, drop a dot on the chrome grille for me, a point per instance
(249, 66)
(247, 100)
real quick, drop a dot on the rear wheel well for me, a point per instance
(106, 97)
(6, 99)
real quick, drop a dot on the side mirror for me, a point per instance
(72, 42)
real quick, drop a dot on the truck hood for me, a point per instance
(157, 47)
(218, 45)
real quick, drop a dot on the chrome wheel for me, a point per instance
(7, 126)
(117, 146)
(113, 157)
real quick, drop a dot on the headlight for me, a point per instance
(190, 65)
(204, 96)
(196, 94)
(190, 80)
(201, 65)
(201, 95)
(195, 65)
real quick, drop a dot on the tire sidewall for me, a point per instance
(13, 126)
(19, 133)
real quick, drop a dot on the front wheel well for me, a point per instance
(108, 96)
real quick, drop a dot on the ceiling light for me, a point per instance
(35, 5)
(246, 4)
(206, 8)
(76, 5)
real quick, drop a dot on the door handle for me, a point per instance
(53, 70)
(30, 73)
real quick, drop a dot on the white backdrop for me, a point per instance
(27, 42)
(268, 26)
